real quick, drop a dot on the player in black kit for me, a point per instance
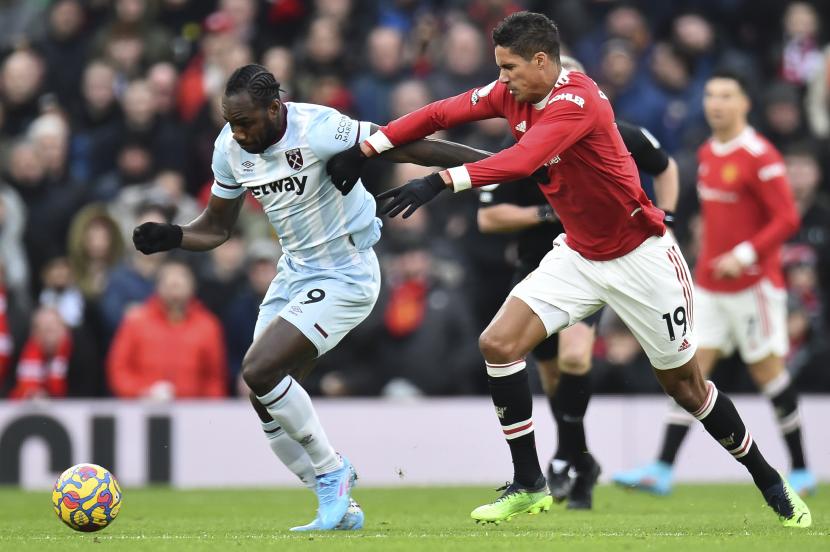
(564, 359)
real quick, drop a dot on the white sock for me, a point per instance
(290, 453)
(289, 404)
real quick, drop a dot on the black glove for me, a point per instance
(412, 195)
(668, 218)
(152, 237)
(345, 167)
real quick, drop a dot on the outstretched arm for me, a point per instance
(431, 152)
(210, 229)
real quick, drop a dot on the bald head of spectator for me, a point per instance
(25, 167)
(693, 34)
(163, 79)
(324, 43)
(50, 135)
(385, 51)
(22, 77)
(175, 286)
(139, 105)
(409, 96)
(464, 49)
(98, 87)
(48, 329)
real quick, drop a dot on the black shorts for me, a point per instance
(549, 348)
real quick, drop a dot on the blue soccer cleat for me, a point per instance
(654, 478)
(803, 482)
(334, 501)
(352, 521)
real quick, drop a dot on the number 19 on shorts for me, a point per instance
(677, 318)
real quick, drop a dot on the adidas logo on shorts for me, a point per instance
(683, 346)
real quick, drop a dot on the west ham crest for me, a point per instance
(294, 158)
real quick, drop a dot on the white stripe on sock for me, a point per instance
(774, 387)
(514, 431)
(502, 370)
(790, 423)
(708, 403)
(741, 450)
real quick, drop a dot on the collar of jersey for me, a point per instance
(561, 80)
(276, 145)
(725, 148)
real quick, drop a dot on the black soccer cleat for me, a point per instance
(560, 480)
(581, 496)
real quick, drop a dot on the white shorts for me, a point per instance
(753, 320)
(649, 288)
(324, 304)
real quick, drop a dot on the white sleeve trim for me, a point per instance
(460, 178)
(379, 142)
(745, 253)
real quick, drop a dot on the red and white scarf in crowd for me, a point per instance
(5, 338)
(38, 373)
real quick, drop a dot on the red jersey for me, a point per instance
(745, 197)
(594, 184)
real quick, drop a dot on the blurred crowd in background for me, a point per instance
(108, 114)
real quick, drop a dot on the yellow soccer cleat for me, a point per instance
(515, 500)
(791, 510)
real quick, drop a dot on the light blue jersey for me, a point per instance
(317, 226)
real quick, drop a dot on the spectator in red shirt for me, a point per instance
(171, 346)
(44, 360)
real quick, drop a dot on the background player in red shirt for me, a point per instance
(616, 251)
(747, 212)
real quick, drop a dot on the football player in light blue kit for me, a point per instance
(328, 278)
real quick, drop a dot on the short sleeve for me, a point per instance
(224, 183)
(332, 132)
(646, 150)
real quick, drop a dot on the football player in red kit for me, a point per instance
(747, 212)
(616, 251)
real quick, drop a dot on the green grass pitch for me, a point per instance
(695, 517)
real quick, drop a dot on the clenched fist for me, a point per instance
(152, 237)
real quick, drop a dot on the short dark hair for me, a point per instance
(731, 74)
(257, 81)
(526, 33)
